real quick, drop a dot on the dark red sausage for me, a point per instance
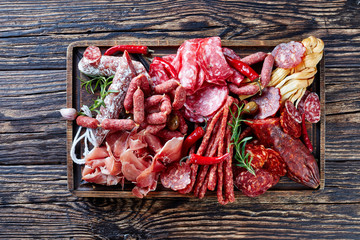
(166, 87)
(153, 101)
(179, 98)
(118, 124)
(139, 111)
(301, 164)
(87, 122)
(266, 70)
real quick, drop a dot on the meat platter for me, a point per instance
(77, 96)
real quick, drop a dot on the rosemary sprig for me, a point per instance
(93, 84)
(240, 156)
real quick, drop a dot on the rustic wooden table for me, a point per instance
(34, 199)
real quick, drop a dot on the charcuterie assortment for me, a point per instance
(204, 119)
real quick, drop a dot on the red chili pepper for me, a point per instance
(201, 160)
(305, 135)
(243, 68)
(170, 68)
(198, 133)
(130, 48)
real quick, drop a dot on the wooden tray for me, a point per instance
(77, 97)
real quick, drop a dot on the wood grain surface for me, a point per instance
(34, 199)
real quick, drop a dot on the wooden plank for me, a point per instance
(29, 121)
(166, 219)
(37, 43)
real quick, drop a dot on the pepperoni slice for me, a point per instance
(258, 153)
(312, 108)
(92, 55)
(176, 176)
(253, 186)
(205, 101)
(288, 55)
(269, 102)
(275, 164)
(289, 125)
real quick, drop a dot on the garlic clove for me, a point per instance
(68, 113)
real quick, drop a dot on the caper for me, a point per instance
(251, 108)
(173, 122)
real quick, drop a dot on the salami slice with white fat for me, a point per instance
(288, 55)
(269, 102)
(92, 55)
(293, 112)
(312, 108)
(176, 176)
(206, 100)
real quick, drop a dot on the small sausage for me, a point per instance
(179, 98)
(167, 86)
(266, 70)
(138, 100)
(145, 86)
(153, 101)
(134, 84)
(156, 118)
(247, 89)
(165, 106)
(87, 122)
(118, 124)
(254, 58)
(154, 129)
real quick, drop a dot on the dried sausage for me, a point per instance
(87, 122)
(243, 89)
(156, 118)
(154, 129)
(266, 70)
(288, 123)
(133, 86)
(254, 58)
(176, 176)
(301, 164)
(288, 55)
(118, 124)
(179, 98)
(138, 101)
(166, 87)
(275, 164)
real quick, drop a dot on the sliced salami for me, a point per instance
(292, 111)
(300, 106)
(206, 100)
(312, 108)
(289, 125)
(253, 186)
(257, 153)
(212, 61)
(275, 164)
(269, 102)
(288, 55)
(176, 176)
(93, 55)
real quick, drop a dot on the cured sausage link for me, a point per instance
(301, 164)
(135, 83)
(156, 118)
(246, 89)
(254, 58)
(118, 124)
(87, 122)
(138, 101)
(179, 98)
(266, 70)
(166, 87)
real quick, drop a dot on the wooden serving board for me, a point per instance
(76, 97)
